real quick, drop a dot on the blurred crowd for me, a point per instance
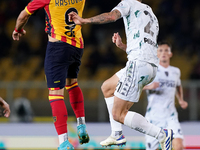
(179, 24)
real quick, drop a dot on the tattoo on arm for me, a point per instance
(105, 17)
(116, 13)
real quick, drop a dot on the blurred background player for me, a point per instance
(6, 107)
(141, 26)
(161, 109)
(63, 58)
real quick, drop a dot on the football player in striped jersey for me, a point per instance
(62, 61)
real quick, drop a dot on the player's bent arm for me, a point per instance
(151, 86)
(20, 23)
(22, 20)
(179, 92)
(122, 46)
(179, 95)
(104, 18)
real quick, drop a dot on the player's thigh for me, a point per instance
(135, 76)
(120, 109)
(121, 105)
(55, 64)
(75, 62)
(108, 87)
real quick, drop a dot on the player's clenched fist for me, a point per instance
(118, 41)
(17, 34)
(73, 16)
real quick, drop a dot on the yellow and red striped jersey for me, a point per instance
(57, 24)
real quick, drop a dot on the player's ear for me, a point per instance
(171, 54)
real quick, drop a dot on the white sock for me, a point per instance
(139, 123)
(116, 127)
(80, 120)
(62, 138)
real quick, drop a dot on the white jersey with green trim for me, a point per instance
(161, 101)
(141, 27)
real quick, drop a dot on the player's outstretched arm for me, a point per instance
(99, 19)
(20, 23)
(5, 106)
(116, 38)
(179, 95)
(73, 16)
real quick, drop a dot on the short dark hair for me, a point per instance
(165, 42)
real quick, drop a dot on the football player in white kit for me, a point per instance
(161, 93)
(123, 89)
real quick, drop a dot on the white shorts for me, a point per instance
(132, 78)
(170, 123)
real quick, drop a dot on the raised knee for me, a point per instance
(103, 87)
(106, 90)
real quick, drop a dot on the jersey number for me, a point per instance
(147, 28)
(70, 25)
